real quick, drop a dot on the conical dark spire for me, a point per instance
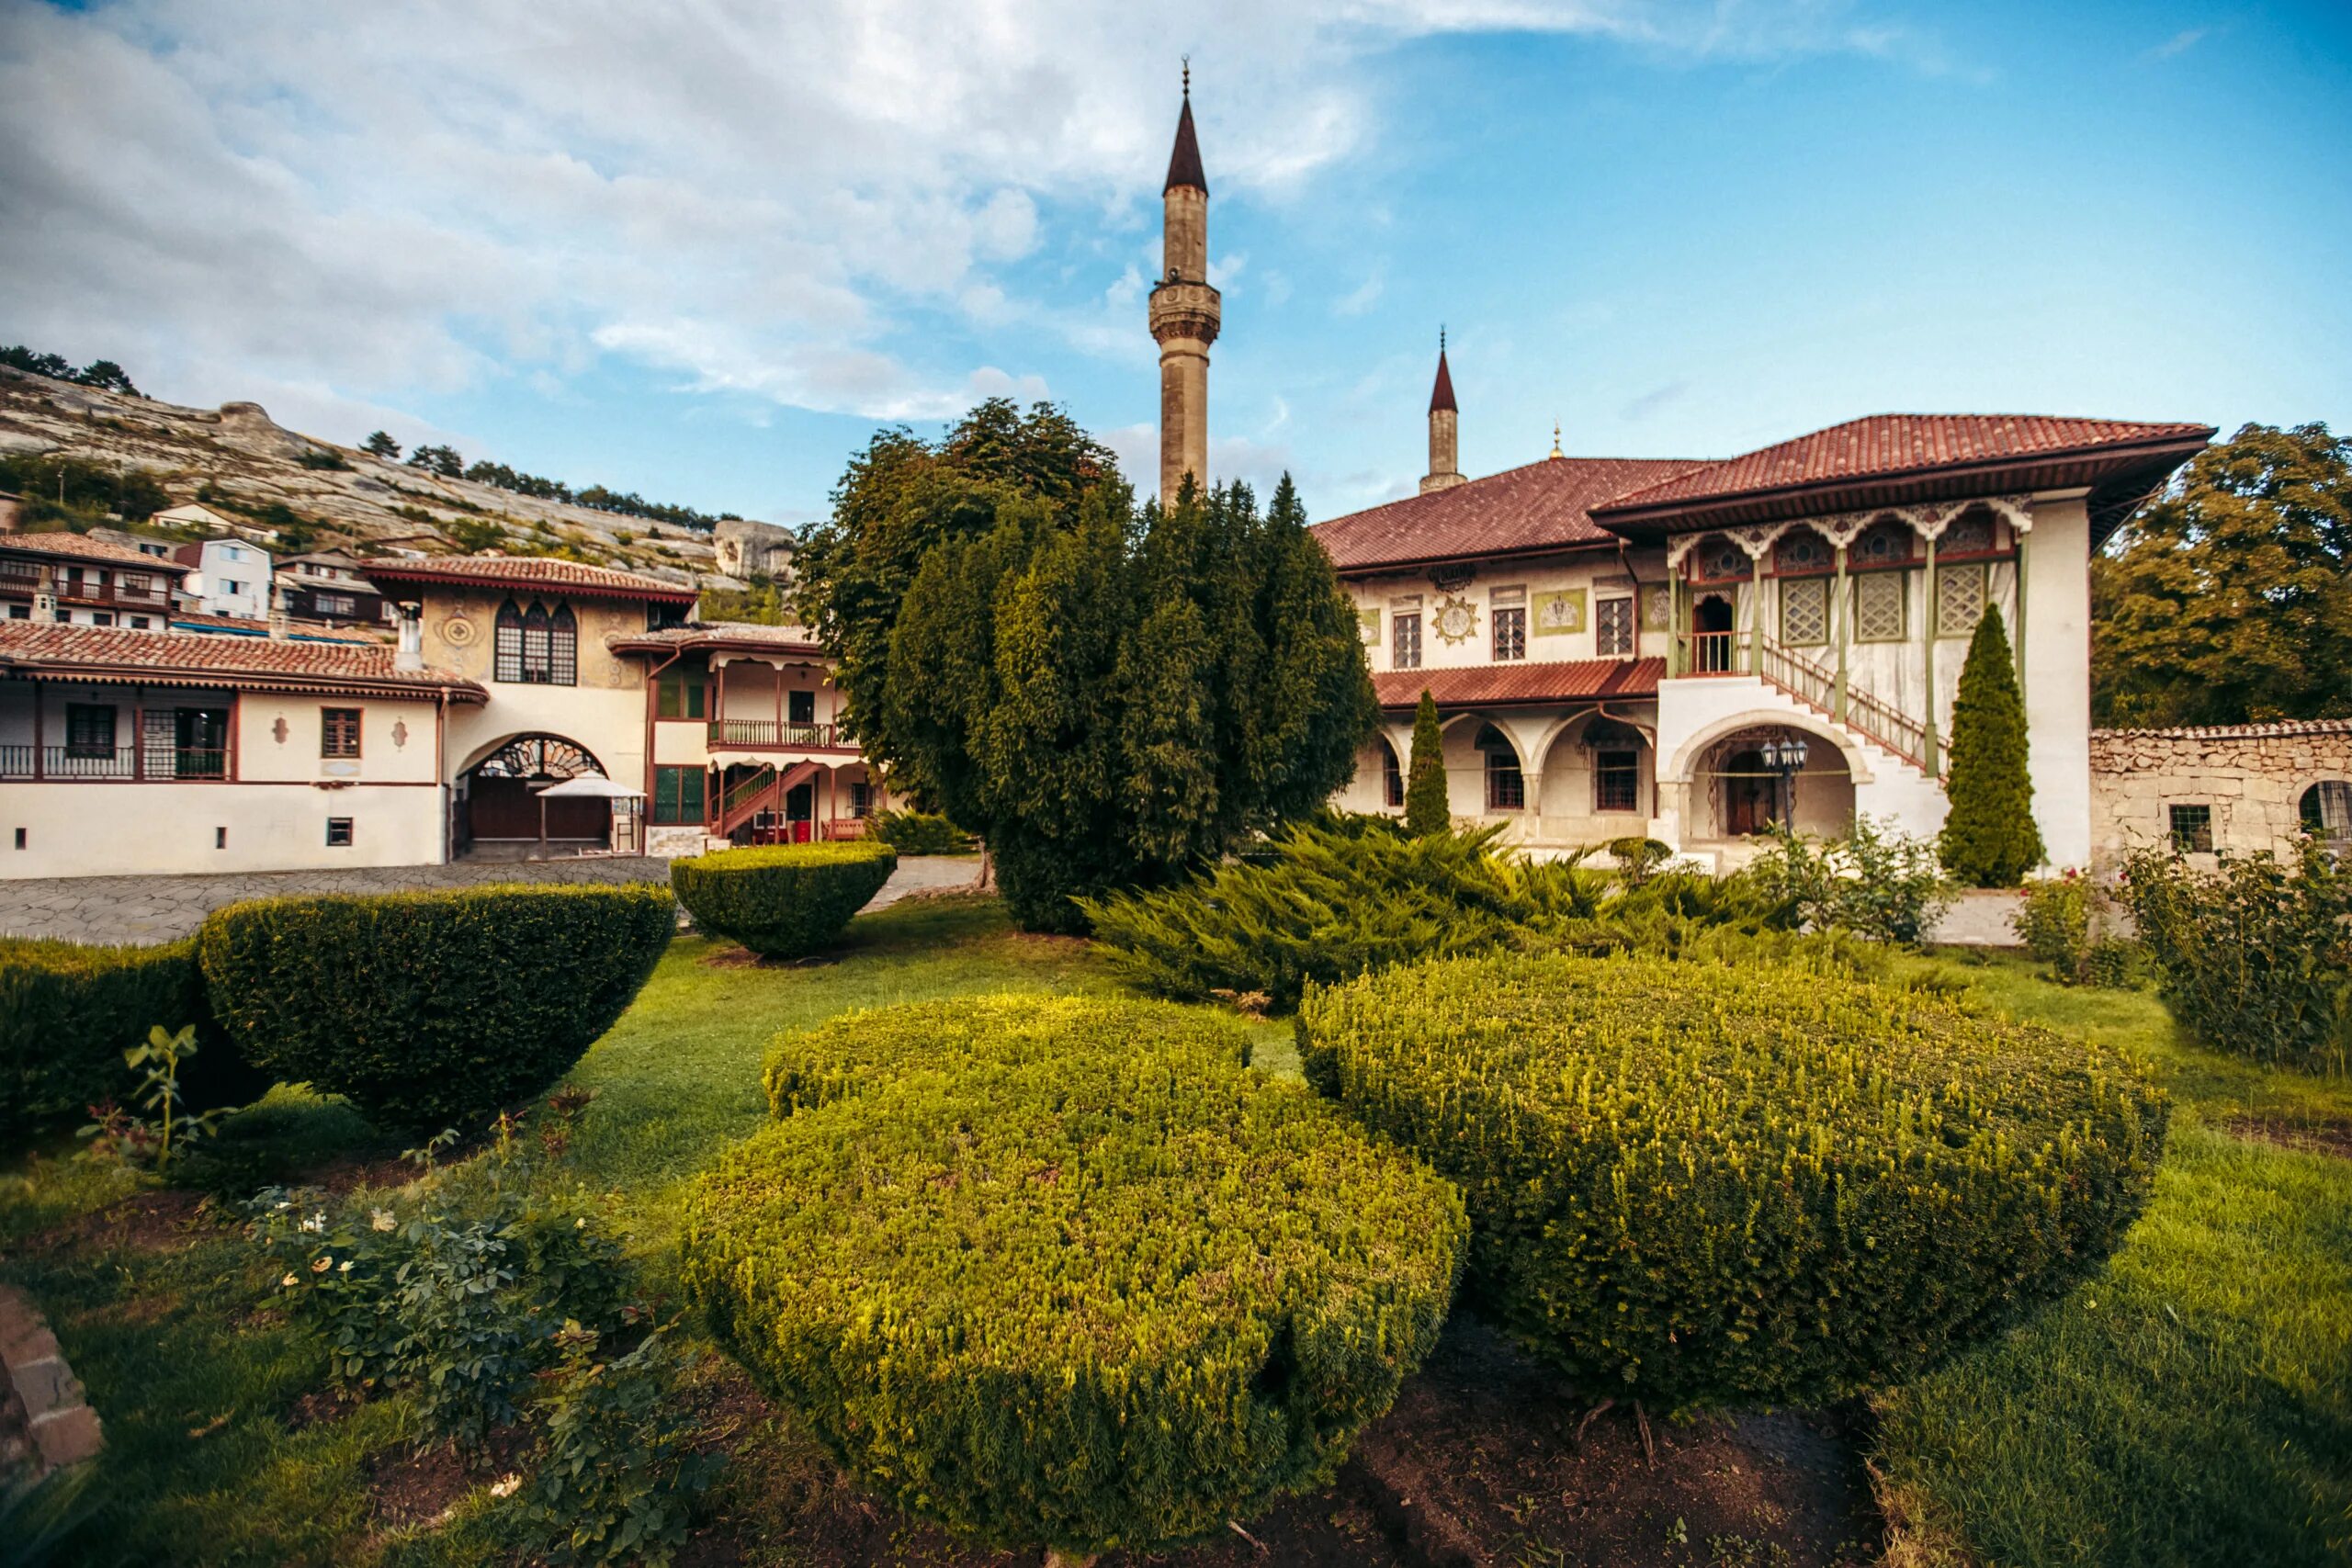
(1442, 395)
(1184, 162)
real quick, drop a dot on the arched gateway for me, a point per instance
(500, 803)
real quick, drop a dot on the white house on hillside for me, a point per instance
(229, 577)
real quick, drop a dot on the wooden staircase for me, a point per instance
(762, 790)
(1804, 681)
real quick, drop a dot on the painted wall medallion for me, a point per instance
(456, 629)
(1456, 620)
(1559, 613)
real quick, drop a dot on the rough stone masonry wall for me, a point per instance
(2253, 776)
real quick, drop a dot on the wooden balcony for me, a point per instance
(120, 764)
(21, 580)
(767, 735)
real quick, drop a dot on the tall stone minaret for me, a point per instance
(1445, 457)
(1184, 312)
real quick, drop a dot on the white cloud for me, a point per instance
(1359, 298)
(780, 201)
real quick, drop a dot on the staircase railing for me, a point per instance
(744, 797)
(1817, 687)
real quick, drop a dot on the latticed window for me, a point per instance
(1883, 544)
(2192, 829)
(1612, 621)
(507, 663)
(1506, 787)
(1971, 534)
(1511, 634)
(563, 647)
(1721, 559)
(1960, 600)
(1878, 607)
(534, 648)
(1801, 550)
(1804, 611)
(1405, 643)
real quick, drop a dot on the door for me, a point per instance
(1710, 636)
(1751, 796)
(800, 811)
(201, 737)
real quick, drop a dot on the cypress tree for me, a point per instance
(1989, 837)
(1426, 810)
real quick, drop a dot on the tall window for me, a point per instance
(678, 797)
(861, 799)
(800, 707)
(1804, 611)
(534, 648)
(1510, 633)
(1878, 607)
(1506, 787)
(2326, 811)
(89, 729)
(2192, 829)
(1616, 781)
(1392, 776)
(1405, 643)
(338, 732)
(679, 695)
(1612, 621)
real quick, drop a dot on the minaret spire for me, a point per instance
(1185, 310)
(1445, 458)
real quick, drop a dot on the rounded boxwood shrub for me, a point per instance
(429, 1009)
(1704, 1185)
(853, 1053)
(68, 1011)
(1114, 1293)
(782, 900)
(919, 833)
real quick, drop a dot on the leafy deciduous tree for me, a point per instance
(2230, 599)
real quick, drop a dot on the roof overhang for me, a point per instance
(421, 575)
(715, 643)
(1420, 563)
(22, 667)
(2118, 477)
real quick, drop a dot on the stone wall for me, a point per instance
(2253, 777)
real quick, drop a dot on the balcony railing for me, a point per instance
(1714, 653)
(17, 579)
(155, 764)
(767, 735)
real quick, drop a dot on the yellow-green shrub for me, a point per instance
(432, 1009)
(1114, 1293)
(1701, 1184)
(853, 1053)
(782, 900)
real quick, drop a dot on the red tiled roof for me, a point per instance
(1495, 685)
(1891, 444)
(76, 548)
(529, 571)
(1523, 510)
(717, 635)
(117, 654)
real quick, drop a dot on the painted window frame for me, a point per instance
(1405, 640)
(1900, 578)
(1981, 571)
(339, 731)
(1622, 641)
(1607, 769)
(1791, 590)
(1506, 625)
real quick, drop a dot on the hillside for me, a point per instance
(236, 454)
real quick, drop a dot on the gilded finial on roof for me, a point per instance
(1188, 75)
(1556, 439)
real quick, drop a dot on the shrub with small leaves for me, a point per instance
(782, 900)
(1876, 880)
(1098, 1287)
(2053, 920)
(1702, 1184)
(616, 1475)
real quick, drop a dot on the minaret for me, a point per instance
(1445, 457)
(1184, 312)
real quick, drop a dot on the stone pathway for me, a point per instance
(163, 909)
(1979, 917)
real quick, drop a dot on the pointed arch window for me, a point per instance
(563, 647)
(536, 648)
(507, 662)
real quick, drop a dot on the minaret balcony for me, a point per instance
(1184, 310)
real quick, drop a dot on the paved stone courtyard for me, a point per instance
(160, 908)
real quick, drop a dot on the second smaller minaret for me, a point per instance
(1445, 457)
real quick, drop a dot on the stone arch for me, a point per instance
(497, 800)
(1570, 766)
(1728, 793)
(2323, 809)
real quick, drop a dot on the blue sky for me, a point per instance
(702, 250)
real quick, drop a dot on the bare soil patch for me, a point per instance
(2312, 1136)
(1479, 1466)
(153, 1222)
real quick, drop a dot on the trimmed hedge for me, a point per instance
(919, 833)
(1116, 1291)
(857, 1052)
(782, 900)
(429, 1009)
(1706, 1185)
(67, 1013)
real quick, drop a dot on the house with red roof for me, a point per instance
(87, 582)
(1697, 650)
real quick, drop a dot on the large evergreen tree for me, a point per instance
(2228, 599)
(1426, 809)
(1989, 837)
(1112, 696)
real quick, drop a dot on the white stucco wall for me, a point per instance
(119, 829)
(2057, 637)
(1597, 574)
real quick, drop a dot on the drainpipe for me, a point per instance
(1842, 612)
(1930, 615)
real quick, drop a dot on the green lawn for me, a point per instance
(2191, 1405)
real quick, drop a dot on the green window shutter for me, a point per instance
(690, 797)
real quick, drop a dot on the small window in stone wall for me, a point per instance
(2192, 829)
(1878, 607)
(1960, 600)
(2327, 811)
(1805, 612)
